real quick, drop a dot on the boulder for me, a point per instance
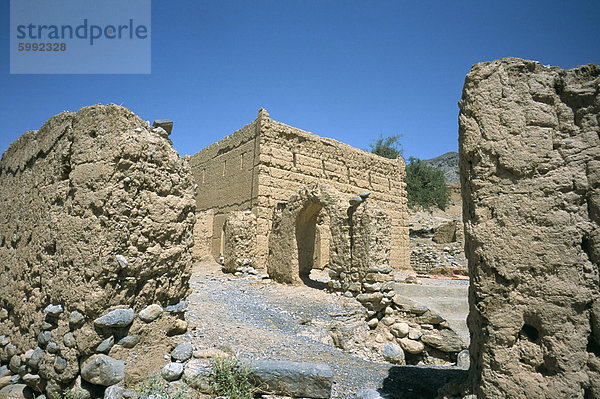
(411, 346)
(400, 330)
(4, 381)
(444, 340)
(307, 380)
(177, 328)
(102, 370)
(151, 313)
(182, 352)
(76, 319)
(172, 371)
(105, 345)
(113, 392)
(116, 319)
(445, 233)
(179, 307)
(16, 391)
(53, 310)
(129, 341)
(198, 374)
(393, 353)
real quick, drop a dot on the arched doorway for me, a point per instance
(313, 223)
(306, 234)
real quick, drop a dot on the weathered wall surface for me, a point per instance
(96, 212)
(291, 158)
(530, 171)
(240, 241)
(266, 162)
(227, 181)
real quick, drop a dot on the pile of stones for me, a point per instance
(426, 257)
(80, 354)
(408, 333)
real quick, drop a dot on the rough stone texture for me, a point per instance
(267, 162)
(172, 371)
(239, 245)
(393, 353)
(16, 391)
(182, 352)
(102, 370)
(303, 380)
(445, 233)
(199, 374)
(113, 392)
(115, 319)
(530, 170)
(151, 313)
(360, 240)
(86, 187)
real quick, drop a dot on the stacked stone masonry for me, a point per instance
(267, 162)
(96, 213)
(529, 140)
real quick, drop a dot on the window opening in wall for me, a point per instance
(241, 161)
(224, 167)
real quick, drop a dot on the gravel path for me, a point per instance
(260, 319)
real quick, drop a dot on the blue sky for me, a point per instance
(350, 70)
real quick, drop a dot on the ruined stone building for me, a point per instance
(247, 176)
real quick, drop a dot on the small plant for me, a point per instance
(69, 394)
(425, 185)
(156, 387)
(231, 378)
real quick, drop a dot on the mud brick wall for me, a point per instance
(267, 161)
(530, 172)
(96, 211)
(227, 180)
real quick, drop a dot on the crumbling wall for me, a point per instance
(203, 234)
(530, 174)
(294, 230)
(291, 158)
(227, 181)
(266, 162)
(359, 249)
(240, 242)
(96, 213)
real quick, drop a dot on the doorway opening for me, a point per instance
(312, 240)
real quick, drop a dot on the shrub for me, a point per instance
(425, 185)
(156, 387)
(232, 379)
(388, 147)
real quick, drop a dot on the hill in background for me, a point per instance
(447, 163)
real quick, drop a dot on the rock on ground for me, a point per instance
(307, 380)
(102, 370)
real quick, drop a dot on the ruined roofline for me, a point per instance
(248, 132)
(532, 64)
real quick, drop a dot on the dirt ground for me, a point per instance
(256, 318)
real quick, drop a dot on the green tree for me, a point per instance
(388, 147)
(425, 185)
